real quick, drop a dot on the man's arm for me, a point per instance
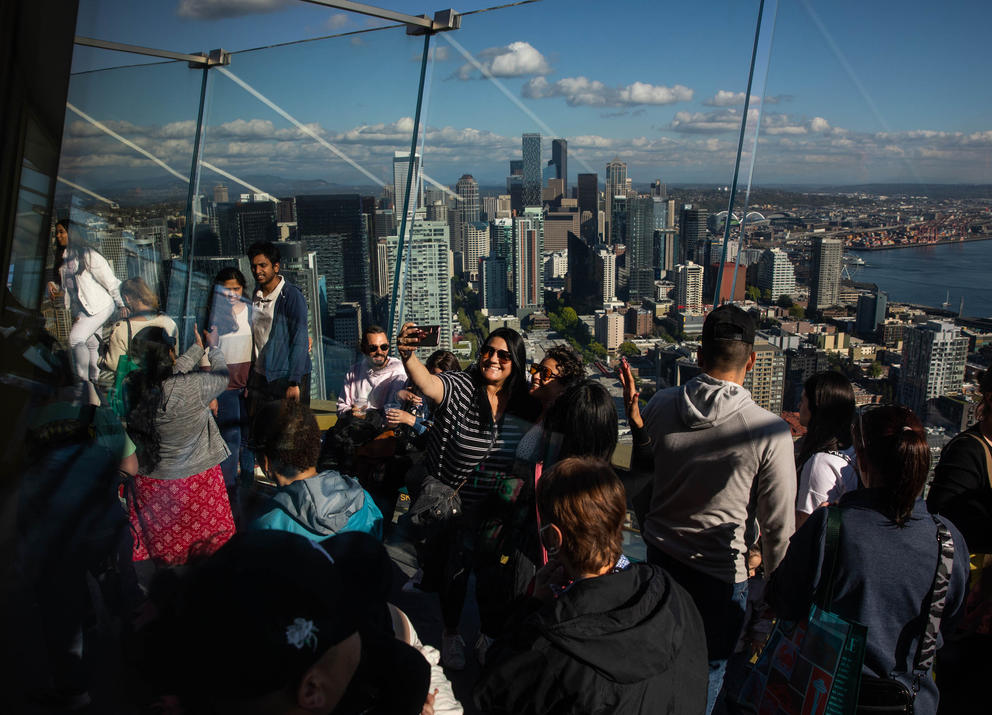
(776, 496)
(299, 340)
(347, 397)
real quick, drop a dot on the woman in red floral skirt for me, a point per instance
(178, 506)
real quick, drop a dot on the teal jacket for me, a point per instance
(320, 506)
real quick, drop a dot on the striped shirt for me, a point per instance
(462, 445)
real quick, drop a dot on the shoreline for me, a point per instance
(948, 242)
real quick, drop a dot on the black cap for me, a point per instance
(728, 322)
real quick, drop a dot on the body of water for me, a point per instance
(929, 275)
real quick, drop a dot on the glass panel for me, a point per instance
(297, 151)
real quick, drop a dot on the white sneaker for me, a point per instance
(453, 652)
(482, 647)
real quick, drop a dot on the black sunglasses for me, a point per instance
(378, 348)
(487, 351)
(543, 370)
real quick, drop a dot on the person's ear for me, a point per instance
(311, 695)
(752, 358)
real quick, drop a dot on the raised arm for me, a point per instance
(430, 385)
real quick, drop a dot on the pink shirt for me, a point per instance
(376, 387)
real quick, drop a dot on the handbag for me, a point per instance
(117, 394)
(436, 503)
(813, 666)
(889, 695)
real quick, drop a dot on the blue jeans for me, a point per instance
(239, 467)
(721, 605)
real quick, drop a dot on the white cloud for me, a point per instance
(516, 59)
(581, 91)
(819, 125)
(726, 98)
(216, 9)
(726, 120)
(337, 21)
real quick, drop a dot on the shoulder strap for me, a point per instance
(936, 599)
(824, 596)
(988, 453)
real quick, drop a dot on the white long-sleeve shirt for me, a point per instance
(376, 387)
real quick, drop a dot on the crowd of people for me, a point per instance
(240, 597)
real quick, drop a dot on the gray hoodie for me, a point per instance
(720, 463)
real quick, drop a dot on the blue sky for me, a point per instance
(856, 92)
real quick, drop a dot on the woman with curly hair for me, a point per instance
(178, 505)
(561, 368)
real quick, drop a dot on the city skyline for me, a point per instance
(841, 104)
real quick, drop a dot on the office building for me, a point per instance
(824, 274)
(588, 196)
(689, 287)
(557, 225)
(766, 382)
(871, 313)
(616, 185)
(801, 364)
(489, 207)
(580, 281)
(692, 233)
(221, 195)
(503, 209)
(559, 160)
(467, 209)
(640, 248)
(776, 274)
(492, 280)
(425, 285)
(335, 227)
(933, 360)
(348, 324)
(475, 245)
(617, 221)
(531, 187)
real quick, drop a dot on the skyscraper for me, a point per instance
(766, 381)
(531, 190)
(692, 233)
(776, 274)
(528, 246)
(689, 287)
(475, 245)
(616, 185)
(618, 220)
(559, 159)
(933, 359)
(334, 226)
(640, 248)
(468, 205)
(824, 273)
(606, 275)
(220, 194)
(426, 287)
(588, 195)
(401, 169)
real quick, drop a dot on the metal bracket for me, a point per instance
(444, 21)
(216, 58)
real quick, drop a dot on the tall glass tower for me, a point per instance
(531, 193)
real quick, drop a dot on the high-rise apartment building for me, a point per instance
(588, 196)
(528, 248)
(489, 205)
(766, 382)
(401, 173)
(689, 287)
(640, 248)
(692, 233)
(933, 360)
(467, 208)
(606, 275)
(616, 185)
(559, 160)
(475, 245)
(503, 209)
(426, 285)
(335, 227)
(609, 329)
(824, 273)
(776, 274)
(800, 365)
(531, 189)
(492, 279)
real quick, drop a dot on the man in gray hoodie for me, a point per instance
(723, 468)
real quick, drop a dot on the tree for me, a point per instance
(628, 349)
(797, 312)
(784, 301)
(753, 293)
(875, 370)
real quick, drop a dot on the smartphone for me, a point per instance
(429, 335)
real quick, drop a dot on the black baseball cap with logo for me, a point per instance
(728, 322)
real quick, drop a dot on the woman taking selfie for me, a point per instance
(481, 415)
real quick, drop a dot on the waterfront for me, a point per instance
(929, 275)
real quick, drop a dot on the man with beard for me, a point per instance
(374, 380)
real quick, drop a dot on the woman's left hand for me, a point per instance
(196, 335)
(631, 396)
(396, 417)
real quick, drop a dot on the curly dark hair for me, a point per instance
(151, 349)
(286, 432)
(571, 368)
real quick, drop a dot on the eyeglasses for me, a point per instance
(378, 348)
(487, 351)
(544, 371)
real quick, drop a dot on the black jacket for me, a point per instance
(961, 490)
(627, 642)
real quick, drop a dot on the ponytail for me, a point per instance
(893, 446)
